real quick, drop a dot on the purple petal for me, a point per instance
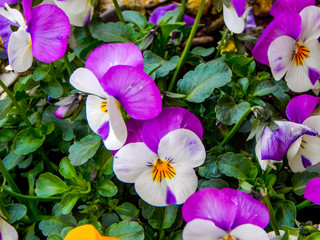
(300, 108)
(5, 30)
(102, 58)
(134, 128)
(275, 144)
(279, 6)
(312, 191)
(250, 21)
(103, 131)
(27, 9)
(239, 6)
(61, 112)
(313, 75)
(188, 20)
(226, 208)
(159, 12)
(135, 90)
(170, 118)
(49, 28)
(2, 2)
(288, 23)
(305, 161)
(170, 198)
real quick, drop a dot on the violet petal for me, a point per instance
(312, 191)
(279, 6)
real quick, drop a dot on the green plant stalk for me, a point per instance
(162, 235)
(32, 198)
(224, 36)
(88, 33)
(273, 221)
(303, 204)
(236, 127)
(68, 65)
(8, 177)
(118, 11)
(182, 10)
(188, 45)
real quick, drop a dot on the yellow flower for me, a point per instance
(86, 232)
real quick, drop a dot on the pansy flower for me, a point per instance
(7, 232)
(160, 162)
(297, 138)
(79, 11)
(312, 191)
(160, 11)
(279, 6)
(114, 76)
(224, 214)
(2, 2)
(235, 16)
(289, 44)
(86, 232)
(43, 35)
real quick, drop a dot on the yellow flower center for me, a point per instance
(303, 143)
(103, 106)
(162, 169)
(229, 238)
(301, 53)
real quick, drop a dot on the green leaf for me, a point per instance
(209, 169)
(53, 88)
(199, 84)
(27, 141)
(136, 18)
(16, 211)
(7, 134)
(228, 111)
(40, 73)
(214, 183)
(236, 165)
(54, 237)
(149, 58)
(51, 227)
(265, 87)
(12, 160)
(203, 52)
(164, 217)
(48, 185)
(69, 200)
(113, 32)
(82, 151)
(126, 231)
(66, 169)
(5, 105)
(300, 180)
(107, 188)
(285, 212)
(127, 211)
(314, 236)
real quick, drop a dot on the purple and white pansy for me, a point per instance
(298, 138)
(3, 2)
(79, 11)
(7, 232)
(42, 34)
(289, 45)
(114, 76)
(160, 161)
(312, 191)
(224, 214)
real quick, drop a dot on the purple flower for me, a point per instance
(160, 11)
(43, 35)
(219, 214)
(114, 76)
(79, 11)
(279, 6)
(160, 157)
(2, 3)
(289, 44)
(312, 191)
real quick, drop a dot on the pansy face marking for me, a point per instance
(103, 106)
(301, 53)
(229, 238)
(162, 169)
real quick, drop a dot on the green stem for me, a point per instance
(9, 179)
(162, 235)
(182, 10)
(32, 198)
(88, 33)
(224, 36)
(303, 204)
(236, 127)
(118, 11)
(188, 45)
(273, 221)
(68, 65)
(285, 190)
(16, 104)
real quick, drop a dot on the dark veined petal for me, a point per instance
(312, 191)
(300, 108)
(226, 208)
(134, 89)
(49, 27)
(279, 6)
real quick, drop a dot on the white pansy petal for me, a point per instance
(69, 6)
(310, 17)
(313, 61)
(85, 81)
(295, 163)
(95, 116)
(272, 236)
(117, 128)
(297, 78)
(132, 160)
(20, 51)
(7, 232)
(16, 16)
(294, 148)
(280, 54)
(249, 232)
(82, 18)
(200, 229)
(151, 191)
(233, 22)
(182, 146)
(182, 185)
